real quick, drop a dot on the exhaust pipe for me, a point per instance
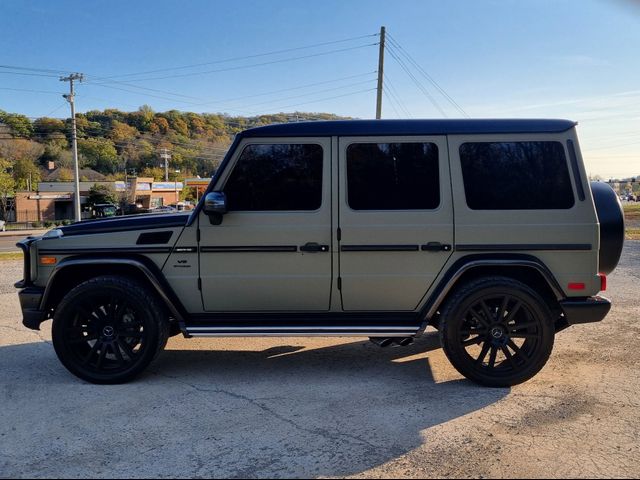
(387, 341)
(381, 342)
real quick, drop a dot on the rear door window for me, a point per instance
(393, 176)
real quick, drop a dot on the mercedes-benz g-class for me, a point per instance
(487, 230)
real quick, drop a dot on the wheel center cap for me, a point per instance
(497, 333)
(108, 331)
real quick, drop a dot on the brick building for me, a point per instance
(54, 200)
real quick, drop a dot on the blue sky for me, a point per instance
(512, 58)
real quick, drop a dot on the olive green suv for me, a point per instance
(487, 230)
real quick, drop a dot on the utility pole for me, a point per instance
(74, 141)
(166, 156)
(383, 32)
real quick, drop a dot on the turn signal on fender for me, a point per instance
(48, 260)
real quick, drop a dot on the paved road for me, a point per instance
(295, 407)
(8, 243)
(8, 239)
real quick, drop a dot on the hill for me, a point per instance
(113, 142)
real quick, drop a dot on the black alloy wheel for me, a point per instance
(497, 331)
(108, 329)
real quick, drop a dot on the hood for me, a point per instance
(126, 223)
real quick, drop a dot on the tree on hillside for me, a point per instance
(99, 154)
(47, 126)
(55, 150)
(65, 174)
(122, 133)
(142, 119)
(19, 125)
(22, 155)
(160, 125)
(15, 149)
(26, 174)
(157, 173)
(7, 187)
(87, 128)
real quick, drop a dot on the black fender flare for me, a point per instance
(149, 270)
(469, 262)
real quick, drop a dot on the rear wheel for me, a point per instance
(497, 331)
(108, 329)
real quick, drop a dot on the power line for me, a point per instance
(29, 74)
(241, 67)
(275, 52)
(420, 86)
(56, 109)
(312, 93)
(328, 98)
(31, 91)
(391, 102)
(421, 70)
(393, 92)
(235, 108)
(300, 87)
(46, 70)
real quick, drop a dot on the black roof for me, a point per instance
(409, 127)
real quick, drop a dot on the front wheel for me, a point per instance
(108, 329)
(497, 331)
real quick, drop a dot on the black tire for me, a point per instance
(107, 330)
(497, 331)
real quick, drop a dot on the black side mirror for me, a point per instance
(215, 206)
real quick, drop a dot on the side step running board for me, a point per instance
(309, 331)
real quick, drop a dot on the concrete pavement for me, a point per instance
(325, 407)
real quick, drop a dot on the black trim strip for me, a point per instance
(576, 171)
(250, 249)
(522, 247)
(84, 251)
(379, 248)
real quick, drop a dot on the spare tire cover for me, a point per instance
(611, 219)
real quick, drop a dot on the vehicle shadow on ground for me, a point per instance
(282, 412)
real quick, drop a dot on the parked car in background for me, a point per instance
(3, 226)
(104, 210)
(163, 209)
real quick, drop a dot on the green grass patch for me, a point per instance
(11, 256)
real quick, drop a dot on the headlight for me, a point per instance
(55, 233)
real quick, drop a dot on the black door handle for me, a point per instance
(314, 247)
(436, 247)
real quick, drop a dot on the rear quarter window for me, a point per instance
(516, 176)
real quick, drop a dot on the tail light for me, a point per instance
(603, 282)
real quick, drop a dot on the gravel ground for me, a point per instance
(325, 407)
